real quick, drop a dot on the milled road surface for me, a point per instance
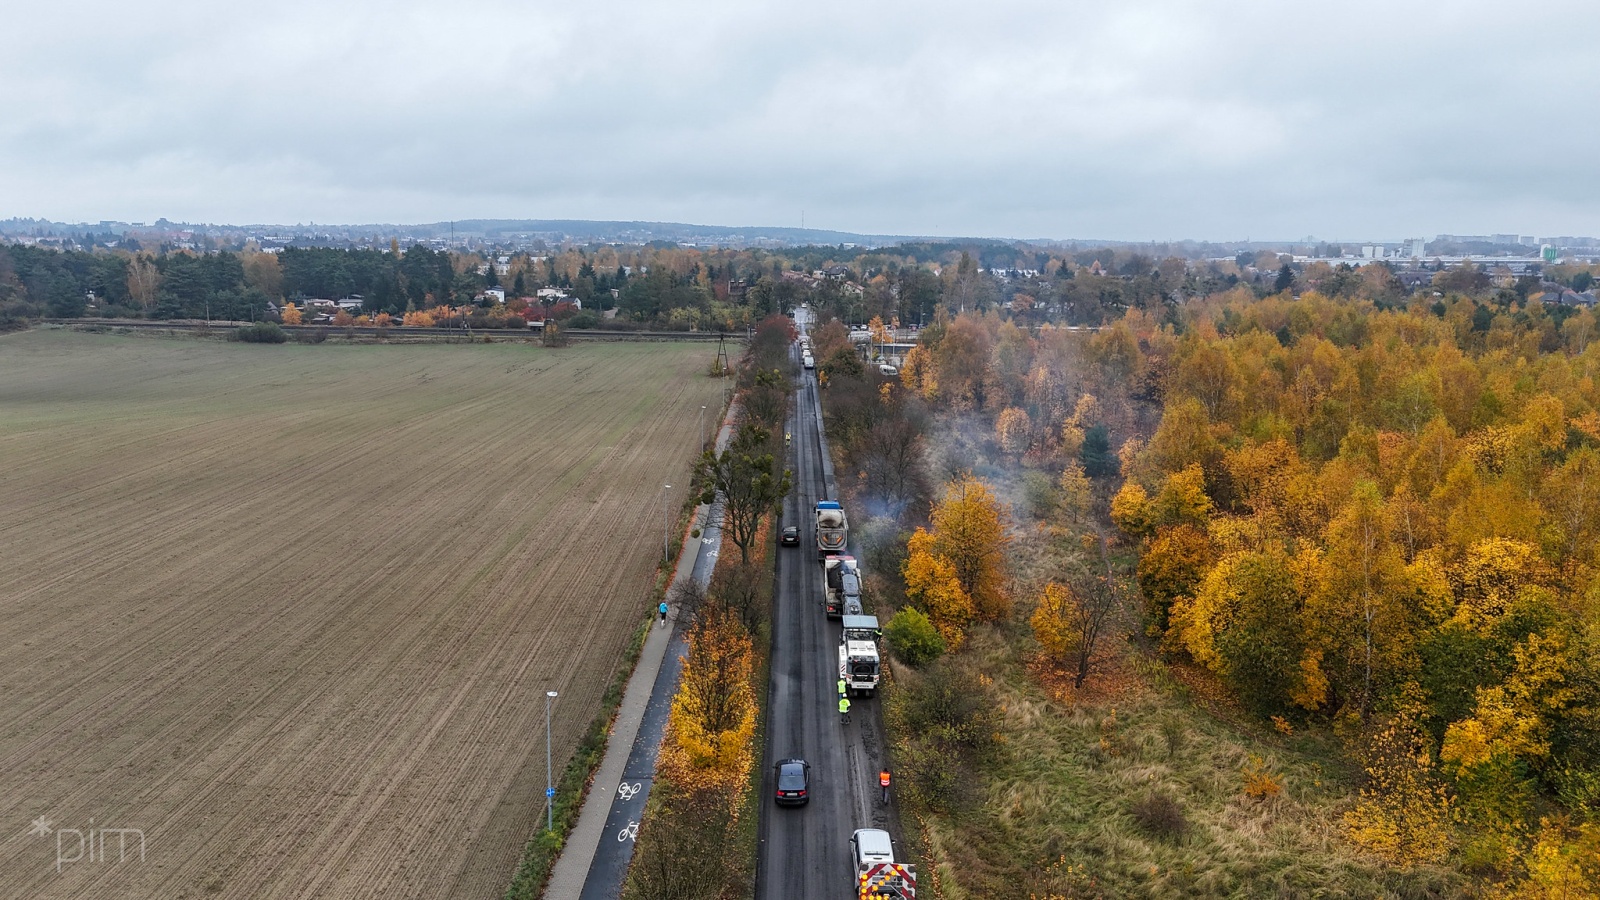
(804, 851)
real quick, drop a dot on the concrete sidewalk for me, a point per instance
(612, 797)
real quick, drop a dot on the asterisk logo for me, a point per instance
(41, 827)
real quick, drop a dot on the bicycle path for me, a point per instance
(595, 859)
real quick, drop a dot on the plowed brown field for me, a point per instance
(292, 610)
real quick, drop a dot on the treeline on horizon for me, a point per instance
(667, 286)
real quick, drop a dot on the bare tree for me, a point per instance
(740, 592)
(143, 279)
(1097, 597)
(891, 456)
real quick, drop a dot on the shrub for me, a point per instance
(1160, 815)
(949, 719)
(912, 638)
(1040, 494)
(1259, 782)
(311, 336)
(260, 333)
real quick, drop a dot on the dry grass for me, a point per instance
(1063, 808)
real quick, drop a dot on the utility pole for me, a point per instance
(665, 554)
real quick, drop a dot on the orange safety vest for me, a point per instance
(883, 778)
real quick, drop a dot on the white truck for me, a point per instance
(858, 655)
(833, 530)
(841, 586)
(877, 874)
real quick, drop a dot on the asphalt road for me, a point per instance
(804, 853)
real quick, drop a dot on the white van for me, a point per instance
(869, 846)
(886, 369)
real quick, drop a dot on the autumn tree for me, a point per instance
(1130, 509)
(1406, 810)
(713, 716)
(705, 762)
(1077, 494)
(262, 272)
(933, 584)
(962, 361)
(1362, 608)
(1244, 624)
(1013, 430)
(1171, 566)
(969, 530)
(745, 476)
(291, 315)
(1068, 622)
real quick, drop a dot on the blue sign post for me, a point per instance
(549, 784)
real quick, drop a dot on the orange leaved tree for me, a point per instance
(969, 530)
(932, 584)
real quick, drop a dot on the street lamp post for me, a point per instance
(665, 554)
(549, 783)
(702, 429)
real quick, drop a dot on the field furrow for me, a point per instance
(292, 611)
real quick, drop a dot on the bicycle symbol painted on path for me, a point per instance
(629, 833)
(626, 791)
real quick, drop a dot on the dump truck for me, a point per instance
(858, 654)
(877, 874)
(841, 585)
(833, 531)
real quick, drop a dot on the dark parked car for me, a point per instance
(791, 536)
(792, 778)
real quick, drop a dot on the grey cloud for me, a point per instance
(1147, 119)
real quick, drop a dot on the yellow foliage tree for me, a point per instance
(1405, 813)
(932, 583)
(917, 372)
(1013, 430)
(1513, 718)
(418, 319)
(1077, 495)
(1130, 509)
(291, 315)
(1183, 499)
(711, 726)
(1563, 864)
(1055, 621)
(969, 530)
(1491, 577)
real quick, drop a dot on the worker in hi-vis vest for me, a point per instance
(844, 709)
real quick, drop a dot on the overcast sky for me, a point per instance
(1112, 118)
